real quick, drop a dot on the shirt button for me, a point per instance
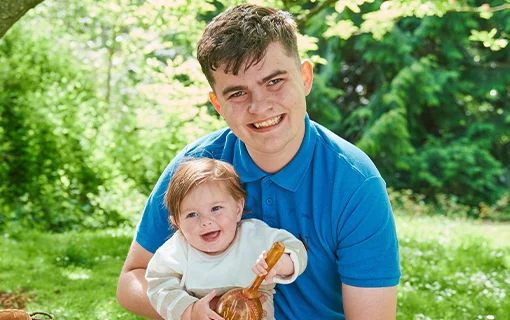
(270, 223)
(269, 201)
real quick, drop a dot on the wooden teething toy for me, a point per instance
(243, 303)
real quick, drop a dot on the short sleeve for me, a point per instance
(367, 248)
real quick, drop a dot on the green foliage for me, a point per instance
(154, 92)
(414, 204)
(47, 179)
(86, 142)
(464, 167)
(90, 116)
(418, 79)
(389, 137)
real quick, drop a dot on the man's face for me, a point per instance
(265, 105)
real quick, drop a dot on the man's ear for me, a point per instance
(215, 102)
(307, 75)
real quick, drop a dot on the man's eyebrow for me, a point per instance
(265, 79)
(232, 88)
(272, 75)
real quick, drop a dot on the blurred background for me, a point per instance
(96, 98)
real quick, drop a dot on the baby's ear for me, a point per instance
(172, 220)
(240, 209)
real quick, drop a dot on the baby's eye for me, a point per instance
(215, 208)
(191, 215)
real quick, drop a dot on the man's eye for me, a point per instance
(192, 215)
(215, 208)
(275, 81)
(237, 94)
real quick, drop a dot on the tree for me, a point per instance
(421, 87)
(97, 96)
(12, 10)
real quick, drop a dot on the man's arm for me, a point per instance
(132, 286)
(369, 303)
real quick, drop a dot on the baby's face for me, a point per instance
(209, 217)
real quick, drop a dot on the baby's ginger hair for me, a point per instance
(194, 172)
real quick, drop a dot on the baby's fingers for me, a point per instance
(259, 270)
(270, 276)
(261, 260)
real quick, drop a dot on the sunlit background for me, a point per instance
(96, 97)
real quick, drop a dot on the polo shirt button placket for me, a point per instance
(267, 196)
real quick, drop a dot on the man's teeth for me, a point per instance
(270, 122)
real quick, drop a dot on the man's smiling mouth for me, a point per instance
(268, 123)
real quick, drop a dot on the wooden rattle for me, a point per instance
(243, 303)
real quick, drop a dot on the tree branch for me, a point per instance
(484, 9)
(302, 19)
(12, 10)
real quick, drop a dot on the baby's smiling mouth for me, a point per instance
(210, 236)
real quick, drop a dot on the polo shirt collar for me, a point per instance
(291, 175)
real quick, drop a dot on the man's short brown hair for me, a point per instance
(241, 35)
(193, 172)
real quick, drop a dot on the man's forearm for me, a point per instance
(132, 294)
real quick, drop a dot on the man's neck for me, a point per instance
(274, 162)
(270, 163)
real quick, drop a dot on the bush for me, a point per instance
(46, 102)
(463, 168)
(73, 160)
(407, 202)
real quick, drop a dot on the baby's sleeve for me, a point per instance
(164, 277)
(293, 246)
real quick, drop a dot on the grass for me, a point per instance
(452, 269)
(71, 275)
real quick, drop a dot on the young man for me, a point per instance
(299, 176)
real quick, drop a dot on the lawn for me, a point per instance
(452, 269)
(71, 275)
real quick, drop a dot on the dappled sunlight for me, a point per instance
(76, 274)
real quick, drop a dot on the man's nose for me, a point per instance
(260, 103)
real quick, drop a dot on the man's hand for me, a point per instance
(200, 309)
(214, 302)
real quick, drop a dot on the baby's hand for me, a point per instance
(260, 267)
(201, 310)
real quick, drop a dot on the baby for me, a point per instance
(213, 250)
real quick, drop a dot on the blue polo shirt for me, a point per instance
(330, 196)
